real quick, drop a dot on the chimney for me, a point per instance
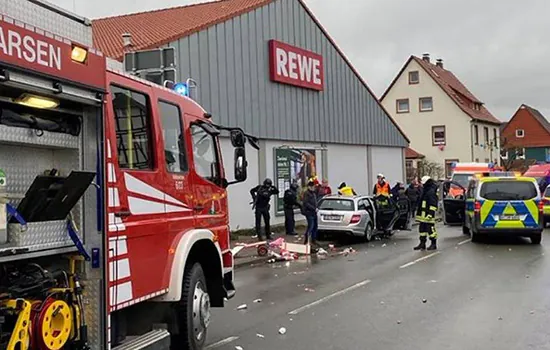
(439, 63)
(126, 40)
(426, 57)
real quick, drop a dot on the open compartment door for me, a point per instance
(453, 206)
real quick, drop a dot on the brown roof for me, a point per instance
(454, 88)
(156, 28)
(412, 154)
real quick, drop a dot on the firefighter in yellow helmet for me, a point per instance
(425, 214)
(346, 190)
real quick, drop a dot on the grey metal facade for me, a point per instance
(230, 62)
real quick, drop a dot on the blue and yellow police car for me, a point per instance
(497, 203)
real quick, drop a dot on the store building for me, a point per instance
(270, 67)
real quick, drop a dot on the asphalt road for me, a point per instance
(492, 295)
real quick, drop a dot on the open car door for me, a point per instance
(387, 214)
(404, 208)
(454, 206)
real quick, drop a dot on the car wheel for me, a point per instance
(536, 239)
(465, 230)
(369, 231)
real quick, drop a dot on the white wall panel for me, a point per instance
(388, 161)
(348, 164)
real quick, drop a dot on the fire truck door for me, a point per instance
(210, 196)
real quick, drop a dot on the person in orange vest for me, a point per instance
(382, 187)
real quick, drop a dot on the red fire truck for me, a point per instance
(113, 204)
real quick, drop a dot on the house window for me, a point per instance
(449, 167)
(426, 104)
(438, 135)
(520, 153)
(402, 105)
(487, 160)
(476, 134)
(486, 134)
(520, 133)
(414, 77)
(132, 128)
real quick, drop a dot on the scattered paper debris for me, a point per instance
(382, 303)
(260, 335)
(490, 256)
(309, 290)
(238, 347)
(398, 322)
(291, 320)
(287, 264)
(258, 300)
(532, 312)
(384, 245)
(424, 301)
(321, 251)
(331, 246)
(432, 281)
(500, 318)
(471, 298)
(242, 307)
(527, 276)
(509, 249)
(282, 331)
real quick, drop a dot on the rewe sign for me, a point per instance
(291, 65)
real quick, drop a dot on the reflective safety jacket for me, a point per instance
(428, 204)
(346, 191)
(383, 190)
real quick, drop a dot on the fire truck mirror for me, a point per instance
(237, 138)
(240, 164)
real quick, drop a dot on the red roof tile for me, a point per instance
(454, 88)
(159, 27)
(412, 154)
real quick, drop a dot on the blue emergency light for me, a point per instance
(181, 88)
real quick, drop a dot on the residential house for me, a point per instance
(442, 118)
(526, 136)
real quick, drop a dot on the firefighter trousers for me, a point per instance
(426, 229)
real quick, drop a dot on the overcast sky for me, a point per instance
(498, 48)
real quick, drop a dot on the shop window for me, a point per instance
(402, 105)
(520, 133)
(438, 135)
(426, 104)
(132, 128)
(476, 134)
(174, 144)
(449, 167)
(414, 77)
(205, 154)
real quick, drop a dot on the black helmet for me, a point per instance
(342, 185)
(294, 186)
(268, 182)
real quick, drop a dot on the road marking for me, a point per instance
(464, 242)
(419, 260)
(221, 342)
(328, 297)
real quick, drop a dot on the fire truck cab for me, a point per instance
(113, 205)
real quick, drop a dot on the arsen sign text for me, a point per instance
(292, 65)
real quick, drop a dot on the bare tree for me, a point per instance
(512, 157)
(432, 169)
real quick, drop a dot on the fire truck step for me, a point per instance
(158, 339)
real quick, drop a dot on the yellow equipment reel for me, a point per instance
(56, 325)
(20, 336)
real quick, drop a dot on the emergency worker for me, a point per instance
(426, 214)
(346, 190)
(382, 187)
(290, 202)
(261, 196)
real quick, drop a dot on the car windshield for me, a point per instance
(462, 179)
(508, 190)
(337, 204)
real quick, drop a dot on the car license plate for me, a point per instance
(510, 217)
(332, 217)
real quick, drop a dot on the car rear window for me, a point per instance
(508, 190)
(337, 204)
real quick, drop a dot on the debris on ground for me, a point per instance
(382, 303)
(527, 276)
(298, 272)
(424, 301)
(500, 318)
(291, 320)
(532, 312)
(242, 307)
(238, 347)
(509, 249)
(398, 322)
(309, 290)
(331, 246)
(321, 251)
(282, 331)
(260, 335)
(384, 245)
(258, 301)
(348, 251)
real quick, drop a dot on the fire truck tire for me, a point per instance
(194, 311)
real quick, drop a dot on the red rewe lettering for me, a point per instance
(294, 66)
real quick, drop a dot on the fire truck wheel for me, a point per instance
(194, 316)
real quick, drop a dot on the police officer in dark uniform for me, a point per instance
(426, 214)
(290, 202)
(261, 196)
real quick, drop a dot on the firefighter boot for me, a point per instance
(433, 245)
(422, 244)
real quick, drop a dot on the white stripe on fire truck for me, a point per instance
(137, 186)
(117, 246)
(139, 300)
(115, 223)
(111, 175)
(142, 206)
(108, 149)
(113, 198)
(119, 269)
(121, 293)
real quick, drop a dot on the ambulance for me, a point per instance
(114, 230)
(463, 172)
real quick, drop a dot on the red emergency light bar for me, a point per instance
(31, 48)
